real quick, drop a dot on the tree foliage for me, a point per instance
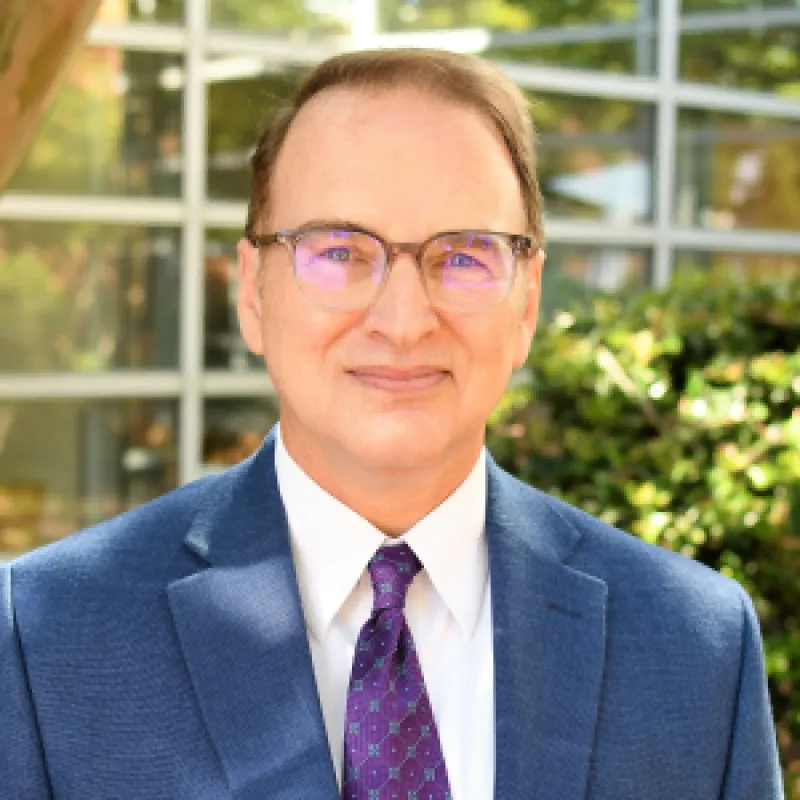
(675, 415)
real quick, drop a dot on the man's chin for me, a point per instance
(399, 447)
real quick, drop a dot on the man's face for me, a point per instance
(400, 384)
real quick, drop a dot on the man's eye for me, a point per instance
(339, 254)
(463, 260)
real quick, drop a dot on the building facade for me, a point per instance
(668, 140)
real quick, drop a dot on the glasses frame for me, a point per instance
(519, 244)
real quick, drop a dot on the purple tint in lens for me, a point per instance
(338, 262)
(321, 271)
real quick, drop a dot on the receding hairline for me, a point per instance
(380, 92)
(467, 82)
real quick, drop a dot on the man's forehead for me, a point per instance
(355, 105)
(337, 116)
(396, 152)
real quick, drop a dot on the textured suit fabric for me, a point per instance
(163, 654)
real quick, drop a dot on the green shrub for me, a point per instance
(675, 415)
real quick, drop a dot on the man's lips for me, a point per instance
(398, 380)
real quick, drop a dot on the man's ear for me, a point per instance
(532, 293)
(248, 298)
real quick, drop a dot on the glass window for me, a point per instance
(242, 96)
(235, 427)
(621, 54)
(595, 157)
(545, 33)
(575, 271)
(734, 5)
(67, 464)
(224, 346)
(736, 171)
(777, 267)
(87, 297)
(298, 19)
(758, 58)
(114, 128)
(118, 11)
(400, 15)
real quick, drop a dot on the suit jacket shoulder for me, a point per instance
(634, 570)
(145, 538)
(653, 660)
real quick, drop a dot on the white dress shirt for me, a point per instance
(448, 609)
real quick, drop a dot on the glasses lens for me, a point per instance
(339, 268)
(468, 271)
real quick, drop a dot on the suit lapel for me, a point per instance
(549, 646)
(243, 636)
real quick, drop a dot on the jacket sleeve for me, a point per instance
(753, 770)
(23, 775)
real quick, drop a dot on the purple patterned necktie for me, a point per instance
(391, 745)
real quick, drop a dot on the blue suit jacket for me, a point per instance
(163, 654)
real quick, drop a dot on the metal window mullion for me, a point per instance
(756, 17)
(699, 22)
(222, 214)
(571, 34)
(735, 101)
(281, 51)
(100, 386)
(666, 134)
(254, 383)
(575, 231)
(583, 83)
(737, 241)
(192, 273)
(112, 210)
(147, 37)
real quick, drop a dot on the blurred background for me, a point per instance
(669, 141)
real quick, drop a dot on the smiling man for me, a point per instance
(369, 608)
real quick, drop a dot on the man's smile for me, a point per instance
(396, 380)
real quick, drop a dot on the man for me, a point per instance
(369, 607)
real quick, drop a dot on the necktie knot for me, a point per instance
(392, 570)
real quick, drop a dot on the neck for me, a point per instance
(391, 498)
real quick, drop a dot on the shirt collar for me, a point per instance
(332, 544)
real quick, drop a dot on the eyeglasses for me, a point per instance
(346, 267)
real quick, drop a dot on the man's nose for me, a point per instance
(402, 311)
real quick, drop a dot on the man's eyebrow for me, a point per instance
(330, 223)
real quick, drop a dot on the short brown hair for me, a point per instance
(466, 80)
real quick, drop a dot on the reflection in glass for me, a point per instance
(757, 267)
(88, 297)
(736, 171)
(68, 464)
(224, 346)
(622, 55)
(734, 5)
(235, 427)
(595, 157)
(300, 20)
(238, 108)
(535, 33)
(404, 15)
(761, 59)
(119, 11)
(114, 128)
(573, 272)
